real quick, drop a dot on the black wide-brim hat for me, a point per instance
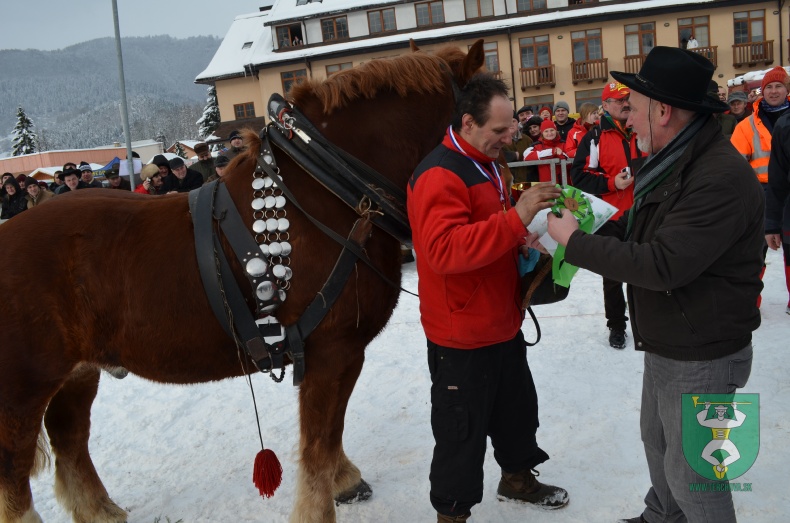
(676, 77)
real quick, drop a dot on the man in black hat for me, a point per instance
(205, 163)
(182, 179)
(236, 145)
(690, 251)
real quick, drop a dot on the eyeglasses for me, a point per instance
(621, 101)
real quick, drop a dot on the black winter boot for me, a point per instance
(617, 338)
(524, 486)
(638, 519)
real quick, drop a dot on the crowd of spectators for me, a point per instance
(161, 176)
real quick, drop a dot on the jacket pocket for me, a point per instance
(740, 370)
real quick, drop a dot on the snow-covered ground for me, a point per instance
(186, 452)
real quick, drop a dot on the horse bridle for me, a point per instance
(372, 196)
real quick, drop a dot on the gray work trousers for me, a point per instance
(670, 499)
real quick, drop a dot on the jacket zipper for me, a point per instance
(683, 313)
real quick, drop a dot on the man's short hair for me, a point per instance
(475, 98)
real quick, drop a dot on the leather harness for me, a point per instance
(376, 200)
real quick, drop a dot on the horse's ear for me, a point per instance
(413, 46)
(473, 62)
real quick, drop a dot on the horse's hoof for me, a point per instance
(360, 492)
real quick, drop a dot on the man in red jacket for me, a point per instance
(467, 239)
(599, 168)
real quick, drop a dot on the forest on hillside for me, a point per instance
(72, 95)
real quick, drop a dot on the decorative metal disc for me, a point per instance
(268, 158)
(288, 273)
(264, 249)
(270, 202)
(257, 184)
(279, 202)
(270, 308)
(259, 226)
(275, 249)
(271, 224)
(256, 267)
(286, 248)
(267, 182)
(265, 291)
(258, 204)
(281, 293)
(283, 224)
(279, 271)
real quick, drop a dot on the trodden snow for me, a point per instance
(186, 452)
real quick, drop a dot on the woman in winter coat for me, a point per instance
(588, 116)
(549, 146)
(152, 180)
(14, 201)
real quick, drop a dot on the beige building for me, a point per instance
(547, 50)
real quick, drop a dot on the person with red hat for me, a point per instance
(752, 136)
(549, 146)
(602, 167)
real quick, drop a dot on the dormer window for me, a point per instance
(289, 36)
(246, 45)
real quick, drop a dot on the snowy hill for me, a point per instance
(186, 452)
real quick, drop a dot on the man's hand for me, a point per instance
(623, 179)
(707, 405)
(561, 228)
(534, 200)
(735, 405)
(774, 241)
(532, 242)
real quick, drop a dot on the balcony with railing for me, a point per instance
(753, 53)
(711, 53)
(537, 77)
(590, 70)
(496, 74)
(633, 63)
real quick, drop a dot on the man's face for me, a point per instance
(490, 137)
(561, 115)
(87, 176)
(180, 172)
(22, 184)
(236, 143)
(72, 181)
(33, 190)
(524, 116)
(638, 120)
(220, 171)
(204, 156)
(10, 189)
(775, 94)
(737, 107)
(69, 166)
(722, 94)
(163, 170)
(618, 109)
(115, 181)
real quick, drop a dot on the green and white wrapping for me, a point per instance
(577, 203)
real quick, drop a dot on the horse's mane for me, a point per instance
(415, 72)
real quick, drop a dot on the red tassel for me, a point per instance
(267, 473)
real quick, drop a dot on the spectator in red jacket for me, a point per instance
(588, 117)
(152, 180)
(549, 146)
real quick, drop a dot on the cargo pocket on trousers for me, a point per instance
(740, 370)
(450, 417)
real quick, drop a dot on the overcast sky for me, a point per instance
(55, 24)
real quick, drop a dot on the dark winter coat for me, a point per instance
(694, 258)
(13, 204)
(777, 190)
(43, 196)
(602, 154)
(192, 180)
(204, 167)
(520, 145)
(125, 185)
(63, 189)
(727, 122)
(565, 128)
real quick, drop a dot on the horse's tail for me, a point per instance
(42, 460)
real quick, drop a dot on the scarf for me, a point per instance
(625, 131)
(658, 166)
(771, 109)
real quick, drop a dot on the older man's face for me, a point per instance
(33, 189)
(180, 172)
(87, 176)
(722, 94)
(236, 142)
(737, 107)
(639, 120)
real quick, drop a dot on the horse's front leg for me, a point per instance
(77, 485)
(324, 470)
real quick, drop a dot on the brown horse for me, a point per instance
(101, 279)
